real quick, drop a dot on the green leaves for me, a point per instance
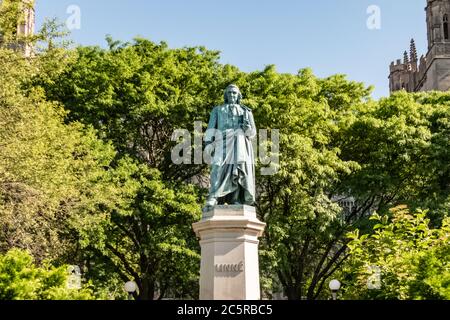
(50, 172)
(21, 279)
(412, 258)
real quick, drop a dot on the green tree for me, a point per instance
(401, 143)
(390, 140)
(51, 173)
(412, 259)
(21, 279)
(148, 237)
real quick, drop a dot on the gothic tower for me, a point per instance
(431, 72)
(437, 12)
(25, 24)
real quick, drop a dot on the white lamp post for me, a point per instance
(335, 285)
(130, 287)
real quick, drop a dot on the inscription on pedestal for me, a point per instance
(222, 268)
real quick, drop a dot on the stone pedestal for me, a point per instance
(229, 243)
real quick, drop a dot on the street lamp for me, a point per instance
(335, 285)
(130, 287)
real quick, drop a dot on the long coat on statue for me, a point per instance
(231, 130)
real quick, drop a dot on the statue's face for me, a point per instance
(233, 95)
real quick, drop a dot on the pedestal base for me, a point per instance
(229, 243)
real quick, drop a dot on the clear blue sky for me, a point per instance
(330, 36)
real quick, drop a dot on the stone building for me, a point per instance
(25, 26)
(432, 71)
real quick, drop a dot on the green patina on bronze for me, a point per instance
(231, 130)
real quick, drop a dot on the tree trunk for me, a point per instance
(292, 293)
(148, 290)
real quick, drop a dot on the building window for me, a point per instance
(445, 19)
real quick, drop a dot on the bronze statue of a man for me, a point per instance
(231, 130)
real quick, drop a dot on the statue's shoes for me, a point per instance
(211, 203)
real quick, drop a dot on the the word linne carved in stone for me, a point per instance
(239, 267)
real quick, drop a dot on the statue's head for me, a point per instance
(233, 94)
